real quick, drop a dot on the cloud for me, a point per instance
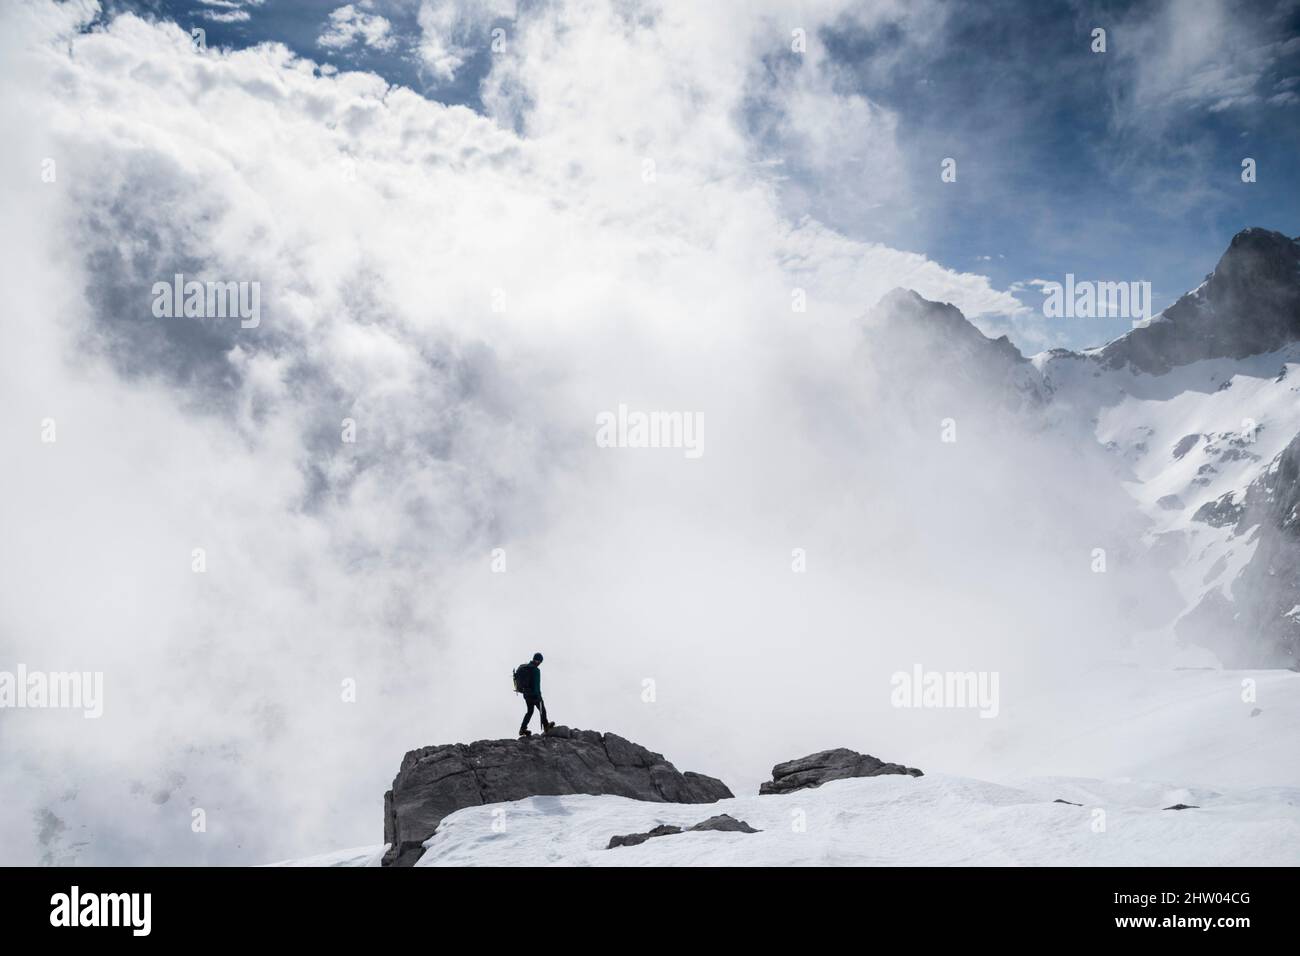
(1194, 55)
(229, 11)
(450, 31)
(352, 24)
(470, 292)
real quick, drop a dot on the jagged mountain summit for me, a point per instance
(1199, 410)
(1249, 305)
(940, 354)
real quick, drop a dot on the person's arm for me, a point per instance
(537, 682)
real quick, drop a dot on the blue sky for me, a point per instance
(1122, 165)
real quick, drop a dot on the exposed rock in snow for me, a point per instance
(1186, 444)
(1254, 624)
(436, 781)
(819, 768)
(723, 822)
(635, 839)
(1219, 513)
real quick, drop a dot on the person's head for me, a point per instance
(537, 659)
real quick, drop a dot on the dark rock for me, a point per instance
(723, 822)
(1170, 502)
(1183, 806)
(1219, 513)
(819, 768)
(436, 781)
(1255, 712)
(1070, 802)
(634, 839)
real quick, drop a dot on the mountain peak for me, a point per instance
(936, 324)
(1249, 305)
(1256, 253)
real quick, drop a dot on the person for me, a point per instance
(530, 685)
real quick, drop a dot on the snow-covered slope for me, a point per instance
(894, 821)
(1195, 727)
(1199, 409)
(1188, 445)
(935, 820)
(352, 856)
(1128, 743)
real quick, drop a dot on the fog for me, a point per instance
(472, 293)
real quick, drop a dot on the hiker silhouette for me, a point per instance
(528, 681)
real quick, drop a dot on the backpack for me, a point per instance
(522, 683)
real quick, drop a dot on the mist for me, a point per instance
(471, 293)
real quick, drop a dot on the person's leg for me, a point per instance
(541, 709)
(527, 717)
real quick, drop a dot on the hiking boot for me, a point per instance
(525, 733)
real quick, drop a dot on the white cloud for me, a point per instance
(352, 24)
(1191, 55)
(229, 11)
(450, 30)
(385, 229)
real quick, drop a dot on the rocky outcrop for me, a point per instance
(723, 822)
(819, 768)
(436, 781)
(1257, 624)
(1186, 444)
(1219, 513)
